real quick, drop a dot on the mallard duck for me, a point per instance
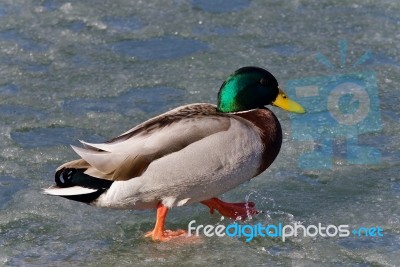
(191, 154)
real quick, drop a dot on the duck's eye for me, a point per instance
(263, 81)
(284, 96)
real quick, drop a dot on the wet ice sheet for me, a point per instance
(167, 47)
(147, 100)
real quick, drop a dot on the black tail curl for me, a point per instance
(69, 177)
(63, 177)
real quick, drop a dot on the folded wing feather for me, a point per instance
(129, 155)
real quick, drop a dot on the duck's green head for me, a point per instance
(253, 87)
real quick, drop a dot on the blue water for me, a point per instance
(90, 70)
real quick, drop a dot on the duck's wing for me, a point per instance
(128, 155)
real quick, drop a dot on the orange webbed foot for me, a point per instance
(236, 211)
(158, 233)
(166, 235)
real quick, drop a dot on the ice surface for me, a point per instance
(167, 47)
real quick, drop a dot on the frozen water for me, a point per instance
(8, 187)
(148, 100)
(167, 47)
(221, 6)
(55, 136)
(91, 70)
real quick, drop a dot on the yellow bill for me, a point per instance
(284, 102)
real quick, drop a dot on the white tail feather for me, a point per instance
(68, 191)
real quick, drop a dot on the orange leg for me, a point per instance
(236, 211)
(159, 233)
